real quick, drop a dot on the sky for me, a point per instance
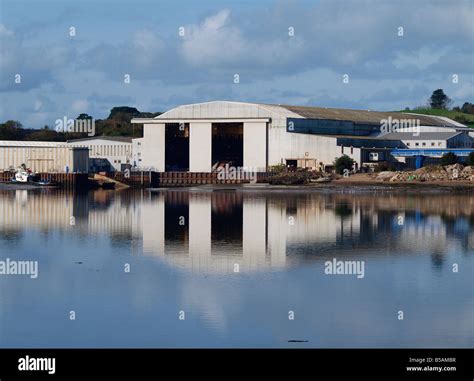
(61, 58)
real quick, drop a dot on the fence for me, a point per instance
(200, 178)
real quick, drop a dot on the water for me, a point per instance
(238, 264)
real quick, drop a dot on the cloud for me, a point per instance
(35, 63)
(220, 44)
(331, 38)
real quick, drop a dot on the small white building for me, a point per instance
(42, 157)
(441, 139)
(197, 137)
(106, 153)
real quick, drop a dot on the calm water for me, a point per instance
(235, 263)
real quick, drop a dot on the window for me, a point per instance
(417, 144)
(408, 144)
(423, 144)
(439, 144)
(432, 144)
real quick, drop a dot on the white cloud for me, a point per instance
(213, 41)
(218, 43)
(80, 106)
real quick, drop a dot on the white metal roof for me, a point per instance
(33, 144)
(232, 109)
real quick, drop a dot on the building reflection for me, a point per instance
(225, 231)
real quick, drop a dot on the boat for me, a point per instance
(25, 176)
(21, 176)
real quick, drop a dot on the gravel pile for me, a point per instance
(455, 172)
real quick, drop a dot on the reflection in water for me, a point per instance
(213, 231)
(184, 248)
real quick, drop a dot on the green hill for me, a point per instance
(461, 117)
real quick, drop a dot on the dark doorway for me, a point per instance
(292, 165)
(228, 144)
(176, 147)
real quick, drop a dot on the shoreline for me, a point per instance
(365, 179)
(356, 183)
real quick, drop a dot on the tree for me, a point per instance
(11, 130)
(470, 159)
(439, 100)
(448, 159)
(467, 108)
(117, 111)
(342, 163)
(84, 116)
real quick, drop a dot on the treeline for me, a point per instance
(118, 123)
(466, 108)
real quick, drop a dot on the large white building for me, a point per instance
(256, 136)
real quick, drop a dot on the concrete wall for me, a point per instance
(200, 147)
(153, 148)
(287, 145)
(255, 145)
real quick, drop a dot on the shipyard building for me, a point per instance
(197, 137)
(43, 157)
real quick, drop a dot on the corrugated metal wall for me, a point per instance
(45, 159)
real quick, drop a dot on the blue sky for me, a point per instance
(64, 75)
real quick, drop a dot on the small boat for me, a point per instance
(21, 176)
(26, 177)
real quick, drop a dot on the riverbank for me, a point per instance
(364, 179)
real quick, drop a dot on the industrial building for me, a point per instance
(43, 157)
(197, 137)
(106, 153)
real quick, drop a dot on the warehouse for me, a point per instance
(51, 157)
(106, 153)
(199, 137)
